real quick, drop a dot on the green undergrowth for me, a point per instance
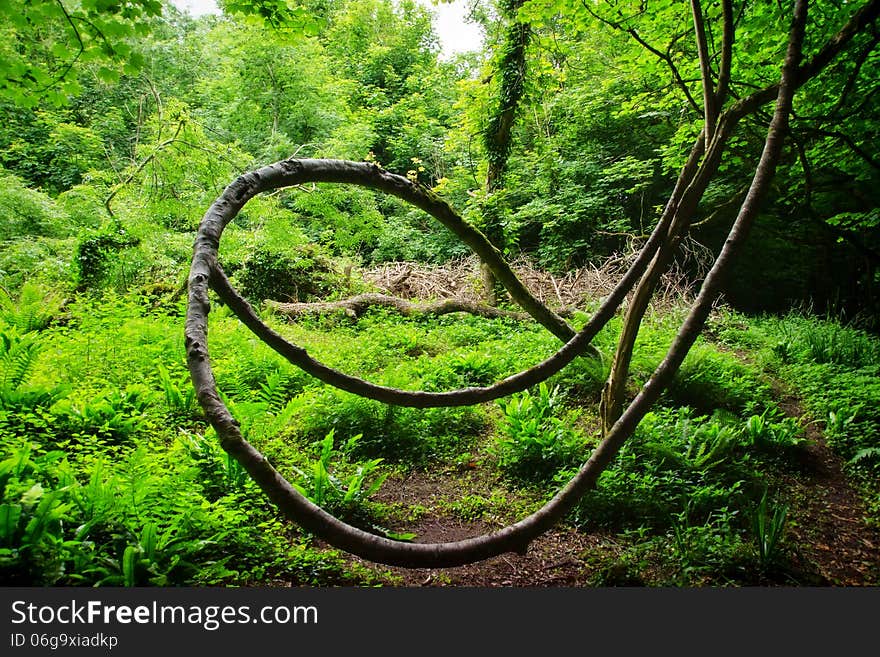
(834, 368)
(110, 474)
(691, 486)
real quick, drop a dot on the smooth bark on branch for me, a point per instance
(294, 172)
(515, 537)
(205, 271)
(680, 202)
(695, 178)
(710, 107)
(230, 202)
(728, 34)
(711, 287)
(689, 189)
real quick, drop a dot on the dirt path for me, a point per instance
(828, 516)
(827, 531)
(554, 559)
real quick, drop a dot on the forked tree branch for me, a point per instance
(517, 536)
(614, 390)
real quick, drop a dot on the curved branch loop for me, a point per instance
(290, 172)
(206, 271)
(516, 537)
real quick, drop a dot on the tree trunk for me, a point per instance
(497, 138)
(358, 305)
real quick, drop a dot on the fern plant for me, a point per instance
(707, 448)
(17, 357)
(32, 311)
(180, 396)
(274, 391)
(766, 432)
(116, 416)
(32, 536)
(153, 557)
(536, 444)
(346, 497)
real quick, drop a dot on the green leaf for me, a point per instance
(149, 540)
(9, 515)
(399, 536)
(129, 565)
(32, 495)
(61, 51)
(108, 75)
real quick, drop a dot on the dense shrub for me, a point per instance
(304, 275)
(28, 212)
(94, 255)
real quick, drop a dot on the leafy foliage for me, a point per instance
(304, 276)
(90, 31)
(27, 212)
(119, 130)
(676, 462)
(93, 256)
(345, 497)
(536, 443)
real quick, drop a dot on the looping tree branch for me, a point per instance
(518, 536)
(290, 172)
(205, 272)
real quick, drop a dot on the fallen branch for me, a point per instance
(358, 305)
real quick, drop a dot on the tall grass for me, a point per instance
(805, 339)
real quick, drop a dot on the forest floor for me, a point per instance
(830, 542)
(828, 515)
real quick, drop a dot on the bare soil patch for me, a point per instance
(829, 541)
(828, 515)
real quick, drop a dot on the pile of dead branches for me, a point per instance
(460, 279)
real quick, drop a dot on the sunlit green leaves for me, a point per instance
(46, 43)
(283, 15)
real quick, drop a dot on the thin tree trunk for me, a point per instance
(497, 138)
(710, 108)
